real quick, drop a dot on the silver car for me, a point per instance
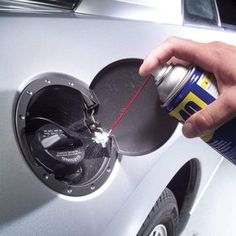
(73, 161)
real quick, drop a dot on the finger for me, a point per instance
(177, 61)
(157, 57)
(200, 54)
(210, 118)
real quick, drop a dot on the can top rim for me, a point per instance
(179, 86)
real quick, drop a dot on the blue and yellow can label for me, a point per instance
(199, 91)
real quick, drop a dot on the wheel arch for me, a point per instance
(185, 185)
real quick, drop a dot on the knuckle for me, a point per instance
(217, 48)
(203, 121)
(217, 51)
(216, 44)
(159, 60)
(172, 39)
(172, 44)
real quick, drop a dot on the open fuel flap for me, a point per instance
(145, 127)
(63, 126)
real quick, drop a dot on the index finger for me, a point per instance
(199, 54)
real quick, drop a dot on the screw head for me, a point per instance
(45, 176)
(69, 190)
(29, 93)
(22, 117)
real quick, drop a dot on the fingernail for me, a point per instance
(188, 130)
(141, 70)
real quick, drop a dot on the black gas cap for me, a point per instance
(66, 147)
(58, 152)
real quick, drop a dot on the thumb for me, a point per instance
(210, 118)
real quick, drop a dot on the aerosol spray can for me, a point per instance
(184, 91)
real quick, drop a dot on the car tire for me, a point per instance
(163, 218)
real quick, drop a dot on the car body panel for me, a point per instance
(81, 46)
(160, 11)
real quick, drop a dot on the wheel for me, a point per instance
(163, 218)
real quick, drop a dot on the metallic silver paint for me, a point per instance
(81, 47)
(153, 11)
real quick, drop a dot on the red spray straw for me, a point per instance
(130, 103)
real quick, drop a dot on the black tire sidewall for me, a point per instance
(165, 212)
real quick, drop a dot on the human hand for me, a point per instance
(215, 57)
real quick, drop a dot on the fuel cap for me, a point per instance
(56, 151)
(62, 142)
